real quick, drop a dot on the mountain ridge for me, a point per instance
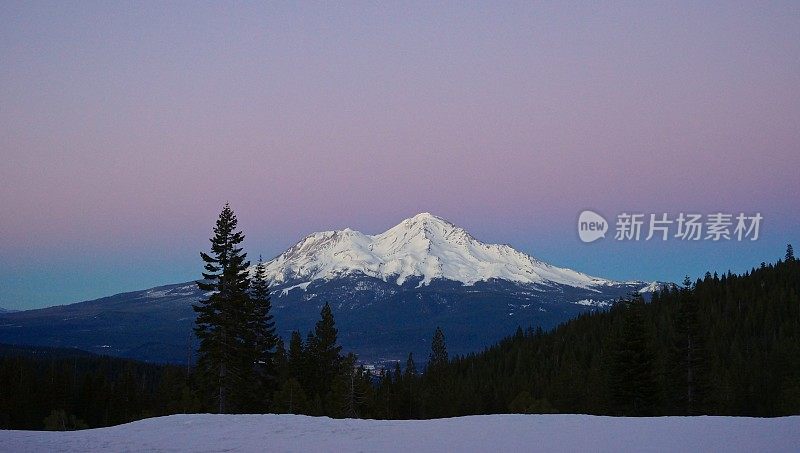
(424, 245)
(388, 291)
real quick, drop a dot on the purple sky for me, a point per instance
(125, 127)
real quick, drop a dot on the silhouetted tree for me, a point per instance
(438, 355)
(260, 334)
(691, 359)
(633, 383)
(222, 316)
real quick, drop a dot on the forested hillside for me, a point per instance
(727, 345)
(63, 389)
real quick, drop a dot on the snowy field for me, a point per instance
(206, 433)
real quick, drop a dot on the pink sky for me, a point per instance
(123, 129)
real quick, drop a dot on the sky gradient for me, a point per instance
(124, 127)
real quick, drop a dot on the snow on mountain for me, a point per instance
(423, 246)
(567, 432)
(657, 286)
(420, 274)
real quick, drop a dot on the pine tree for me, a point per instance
(221, 317)
(295, 357)
(261, 332)
(348, 390)
(325, 343)
(691, 363)
(438, 357)
(411, 367)
(789, 253)
(633, 382)
(434, 401)
(322, 353)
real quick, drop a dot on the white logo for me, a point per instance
(591, 226)
(718, 226)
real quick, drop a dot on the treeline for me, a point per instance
(243, 366)
(727, 345)
(67, 389)
(723, 345)
(63, 390)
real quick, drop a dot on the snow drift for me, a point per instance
(475, 433)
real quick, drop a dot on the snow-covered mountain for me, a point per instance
(388, 292)
(424, 246)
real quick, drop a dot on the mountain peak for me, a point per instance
(425, 221)
(424, 224)
(424, 246)
(426, 217)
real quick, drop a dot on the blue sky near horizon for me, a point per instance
(61, 279)
(124, 127)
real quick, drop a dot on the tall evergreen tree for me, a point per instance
(411, 367)
(323, 353)
(789, 253)
(434, 401)
(349, 390)
(692, 362)
(295, 357)
(261, 332)
(438, 357)
(221, 317)
(633, 381)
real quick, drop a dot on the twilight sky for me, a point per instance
(124, 127)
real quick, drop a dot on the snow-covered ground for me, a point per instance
(205, 433)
